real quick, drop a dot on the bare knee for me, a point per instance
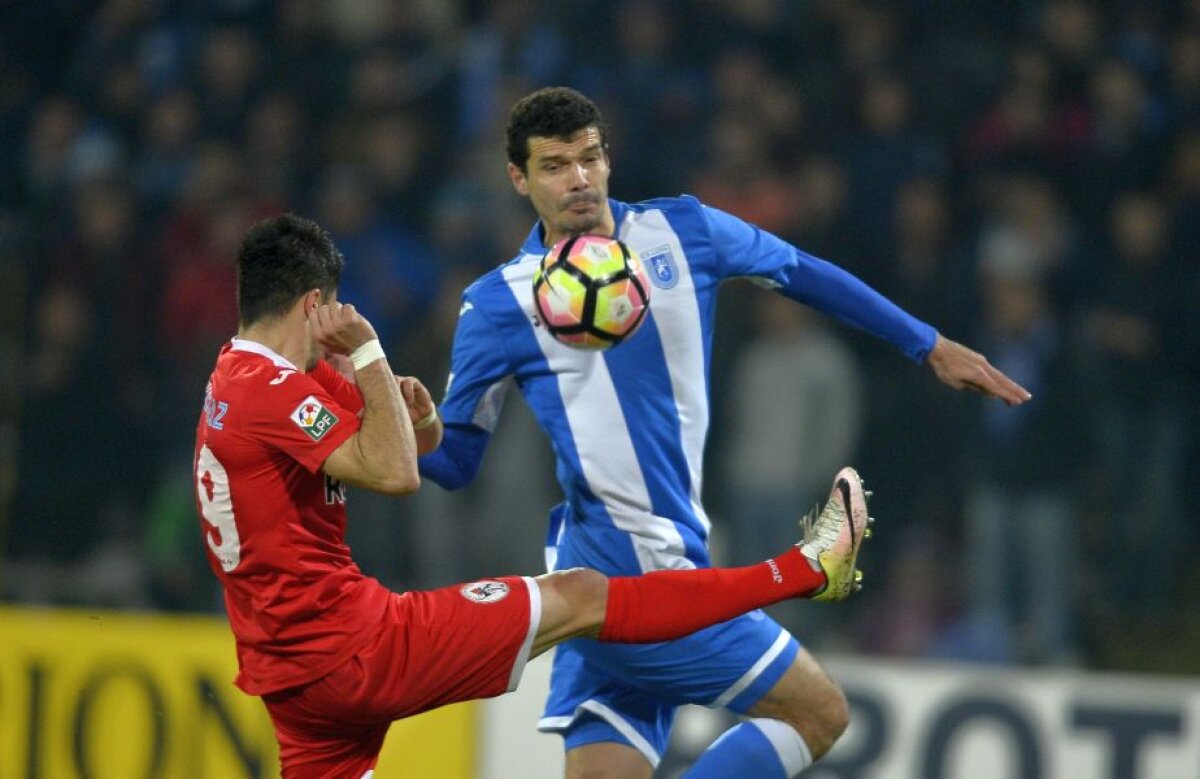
(808, 700)
(586, 593)
(573, 605)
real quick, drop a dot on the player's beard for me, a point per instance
(578, 224)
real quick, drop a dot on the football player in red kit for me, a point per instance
(335, 656)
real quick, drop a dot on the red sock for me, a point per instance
(665, 605)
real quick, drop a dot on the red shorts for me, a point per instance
(436, 647)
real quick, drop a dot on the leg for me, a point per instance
(734, 663)
(665, 605)
(607, 760)
(809, 702)
(310, 746)
(792, 726)
(1048, 574)
(610, 728)
(794, 723)
(626, 695)
(990, 520)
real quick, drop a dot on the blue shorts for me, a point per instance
(628, 693)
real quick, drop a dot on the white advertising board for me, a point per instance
(942, 721)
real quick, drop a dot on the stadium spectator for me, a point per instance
(1133, 326)
(116, 91)
(888, 149)
(794, 383)
(1021, 529)
(391, 273)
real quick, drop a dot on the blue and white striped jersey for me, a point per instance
(628, 425)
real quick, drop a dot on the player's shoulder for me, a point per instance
(679, 204)
(260, 382)
(253, 370)
(488, 282)
(492, 292)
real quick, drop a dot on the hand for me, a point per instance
(416, 398)
(341, 363)
(339, 328)
(963, 368)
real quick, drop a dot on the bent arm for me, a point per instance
(479, 371)
(382, 455)
(426, 422)
(454, 464)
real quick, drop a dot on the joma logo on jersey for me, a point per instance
(313, 418)
(485, 592)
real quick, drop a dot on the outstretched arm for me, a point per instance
(745, 250)
(964, 368)
(751, 251)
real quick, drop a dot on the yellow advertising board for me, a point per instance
(109, 695)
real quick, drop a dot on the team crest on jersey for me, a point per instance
(487, 591)
(664, 274)
(313, 418)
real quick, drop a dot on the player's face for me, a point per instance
(567, 182)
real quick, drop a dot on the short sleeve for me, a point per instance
(345, 392)
(300, 418)
(479, 366)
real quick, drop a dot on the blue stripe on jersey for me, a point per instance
(610, 425)
(629, 425)
(589, 528)
(640, 374)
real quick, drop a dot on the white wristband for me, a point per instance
(426, 420)
(366, 354)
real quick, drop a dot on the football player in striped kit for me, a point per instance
(628, 427)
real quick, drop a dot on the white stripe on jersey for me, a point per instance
(768, 657)
(682, 344)
(535, 622)
(601, 437)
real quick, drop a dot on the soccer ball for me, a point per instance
(591, 292)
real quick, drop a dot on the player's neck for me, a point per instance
(282, 337)
(607, 227)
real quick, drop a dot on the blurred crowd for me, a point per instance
(1024, 175)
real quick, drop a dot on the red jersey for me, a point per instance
(274, 523)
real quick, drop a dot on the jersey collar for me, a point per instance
(243, 345)
(535, 242)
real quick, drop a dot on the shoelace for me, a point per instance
(821, 530)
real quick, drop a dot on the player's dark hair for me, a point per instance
(280, 259)
(551, 112)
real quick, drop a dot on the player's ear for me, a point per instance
(312, 299)
(519, 181)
